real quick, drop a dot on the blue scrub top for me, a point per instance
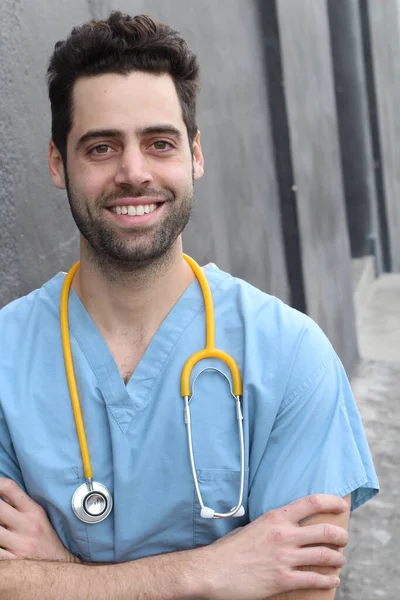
(302, 430)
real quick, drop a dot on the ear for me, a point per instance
(198, 159)
(56, 166)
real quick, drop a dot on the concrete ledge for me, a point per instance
(364, 275)
(378, 322)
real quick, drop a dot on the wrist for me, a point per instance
(200, 582)
(190, 575)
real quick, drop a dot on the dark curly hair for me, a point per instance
(121, 44)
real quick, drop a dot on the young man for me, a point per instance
(126, 147)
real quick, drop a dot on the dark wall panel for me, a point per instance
(308, 83)
(384, 24)
(282, 151)
(354, 129)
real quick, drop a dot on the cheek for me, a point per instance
(176, 175)
(91, 182)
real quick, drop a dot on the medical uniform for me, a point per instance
(301, 427)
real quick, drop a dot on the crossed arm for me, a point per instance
(269, 558)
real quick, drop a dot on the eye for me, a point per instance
(101, 149)
(162, 145)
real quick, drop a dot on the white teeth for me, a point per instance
(133, 211)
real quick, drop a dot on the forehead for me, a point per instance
(114, 101)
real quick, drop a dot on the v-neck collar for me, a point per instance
(124, 401)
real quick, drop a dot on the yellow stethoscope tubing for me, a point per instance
(69, 368)
(210, 351)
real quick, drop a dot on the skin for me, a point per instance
(268, 558)
(129, 278)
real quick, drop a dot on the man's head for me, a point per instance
(121, 44)
(124, 133)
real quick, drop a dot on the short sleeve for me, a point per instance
(317, 443)
(8, 460)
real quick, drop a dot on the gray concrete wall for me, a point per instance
(308, 83)
(44, 236)
(282, 149)
(384, 20)
(354, 129)
(236, 222)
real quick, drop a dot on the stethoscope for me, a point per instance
(92, 502)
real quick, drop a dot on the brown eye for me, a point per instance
(162, 145)
(100, 149)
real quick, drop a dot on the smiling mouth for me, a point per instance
(135, 211)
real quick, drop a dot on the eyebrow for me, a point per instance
(154, 129)
(94, 134)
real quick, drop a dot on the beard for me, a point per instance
(127, 250)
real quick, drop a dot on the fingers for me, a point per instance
(313, 505)
(310, 580)
(8, 515)
(6, 555)
(14, 495)
(321, 556)
(6, 539)
(322, 533)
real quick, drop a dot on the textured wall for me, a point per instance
(354, 129)
(44, 239)
(236, 222)
(308, 82)
(384, 24)
(282, 150)
(10, 175)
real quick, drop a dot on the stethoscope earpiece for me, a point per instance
(209, 513)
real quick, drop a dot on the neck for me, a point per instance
(133, 301)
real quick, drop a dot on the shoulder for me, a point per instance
(267, 316)
(28, 313)
(285, 345)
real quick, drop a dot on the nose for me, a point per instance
(133, 168)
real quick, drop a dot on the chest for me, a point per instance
(127, 352)
(143, 461)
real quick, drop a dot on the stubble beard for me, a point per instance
(115, 254)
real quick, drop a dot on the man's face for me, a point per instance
(130, 168)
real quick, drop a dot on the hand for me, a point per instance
(25, 531)
(264, 558)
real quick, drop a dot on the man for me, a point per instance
(126, 147)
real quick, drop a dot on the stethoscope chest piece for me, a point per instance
(92, 502)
